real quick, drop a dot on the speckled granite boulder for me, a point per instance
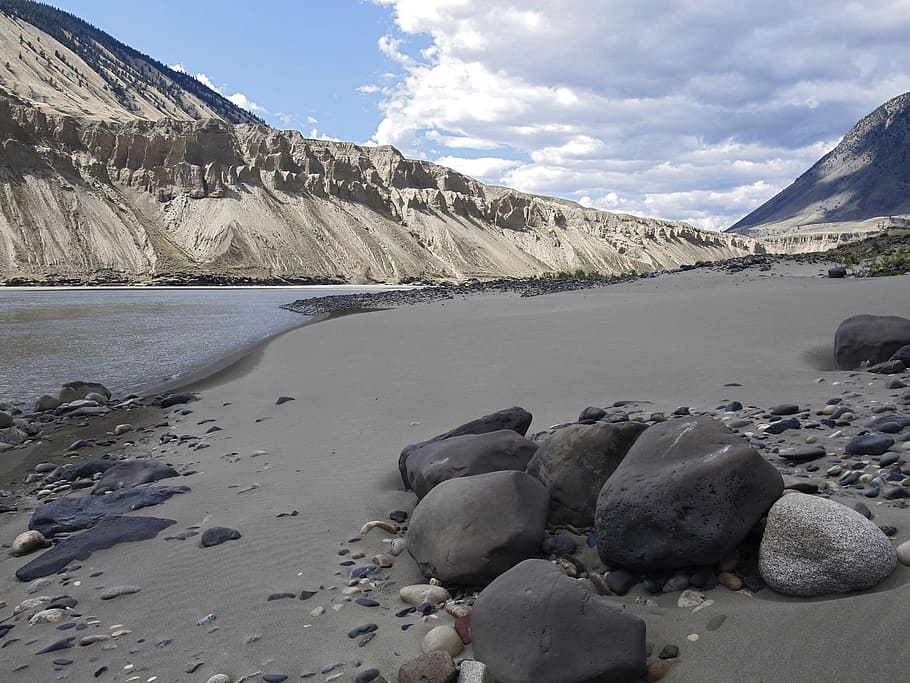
(466, 455)
(575, 461)
(687, 492)
(814, 546)
(534, 623)
(470, 530)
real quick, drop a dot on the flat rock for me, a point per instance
(515, 418)
(76, 513)
(814, 546)
(869, 339)
(802, 453)
(869, 444)
(471, 529)
(687, 493)
(466, 455)
(575, 461)
(217, 535)
(117, 591)
(534, 623)
(106, 534)
(133, 473)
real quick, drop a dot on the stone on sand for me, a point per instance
(470, 530)
(869, 339)
(533, 623)
(575, 461)
(132, 473)
(688, 491)
(814, 546)
(432, 667)
(466, 455)
(27, 542)
(443, 638)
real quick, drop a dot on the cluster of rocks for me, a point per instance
(681, 503)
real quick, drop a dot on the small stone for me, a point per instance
(669, 652)
(117, 591)
(420, 593)
(63, 644)
(399, 545)
(383, 560)
(690, 598)
(27, 542)
(274, 678)
(443, 638)
(363, 629)
(620, 581)
(903, 553)
(95, 638)
(869, 444)
(657, 670)
(730, 581)
(785, 409)
(366, 602)
(218, 535)
(121, 429)
(366, 676)
(219, 678)
(48, 616)
(471, 671)
(432, 667)
(284, 399)
(716, 622)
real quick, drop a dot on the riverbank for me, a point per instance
(297, 478)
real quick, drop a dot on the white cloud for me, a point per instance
(488, 169)
(683, 110)
(238, 98)
(245, 102)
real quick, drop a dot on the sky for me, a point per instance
(695, 110)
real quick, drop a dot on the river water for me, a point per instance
(132, 337)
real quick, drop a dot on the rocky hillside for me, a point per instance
(861, 186)
(111, 163)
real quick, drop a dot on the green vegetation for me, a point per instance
(887, 253)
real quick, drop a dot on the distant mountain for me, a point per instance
(861, 186)
(59, 62)
(112, 163)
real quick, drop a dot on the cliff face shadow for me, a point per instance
(820, 357)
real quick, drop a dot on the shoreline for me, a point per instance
(299, 479)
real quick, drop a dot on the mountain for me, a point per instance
(861, 186)
(111, 162)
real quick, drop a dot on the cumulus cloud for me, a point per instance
(238, 98)
(682, 110)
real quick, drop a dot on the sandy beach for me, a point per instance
(298, 480)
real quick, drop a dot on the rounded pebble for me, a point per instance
(28, 541)
(443, 638)
(903, 553)
(219, 678)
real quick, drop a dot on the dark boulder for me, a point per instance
(86, 469)
(575, 461)
(217, 535)
(76, 513)
(903, 355)
(470, 530)
(869, 339)
(132, 473)
(688, 491)
(534, 623)
(869, 444)
(837, 272)
(466, 455)
(106, 534)
(515, 418)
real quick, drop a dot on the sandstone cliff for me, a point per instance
(146, 197)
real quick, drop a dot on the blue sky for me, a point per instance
(678, 109)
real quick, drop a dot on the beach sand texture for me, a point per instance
(366, 385)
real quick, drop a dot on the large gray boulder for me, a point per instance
(814, 546)
(575, 461)
(515, 418)
(132, 473)
(534, 623)
(687, 492)
(869, 338)
(466, 455)
(470, 530)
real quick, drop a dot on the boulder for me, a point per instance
(687, 492)
(903, 355)
(470, 530)
(516, 419)
(575, 461)
(45, 403)
(132, 473)
(534, 623)
(814, 546)
(13, 436)
(432, 667)
(6, 420)
(869, 339)
(465, 455)
(83, 389)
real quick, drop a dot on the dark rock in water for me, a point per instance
(575, 461)
(869, 444)
(218, 535)
(132, 473)
(686, 494)
(105, 534)
(73, 514)
(169, 400)
(783, 425)
(89, 468)
(465, 455)
(517, 419)
(837, 272)
(284, 399)
(471, 529)
(802, 453)
(869, 339)
(534, 623)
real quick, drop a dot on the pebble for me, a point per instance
(398, 516)
(31, 603)
(383, 560)
(366, 676)
(443, 638)
(668, 652)
(365, 571)
(117, 591)
(657, 670)
(219, 678)
(690, 598)
(122, 429)
(38, 584)
(48, 616)
(207, 619)
(218, 535)
(399, 545)
(785, 409)
(620, 581)
(63, 644)
(471, 671)
(366, 602)
(274, 678)
(363, 629)
(27, 542)
(903, 553)
(379, 524)
(730, 581)
(94, 638)
(420, 593)
(716, 622)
